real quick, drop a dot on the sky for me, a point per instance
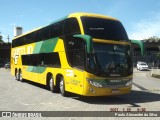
(141, 18)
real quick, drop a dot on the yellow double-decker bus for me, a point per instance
(83, 53)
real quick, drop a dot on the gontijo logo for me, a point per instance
(21, 51)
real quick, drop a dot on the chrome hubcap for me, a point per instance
(17, 75)
(51, 84)
(20, 76)
(61, 86)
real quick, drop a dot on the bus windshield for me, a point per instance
(111, 60)
(104, 29)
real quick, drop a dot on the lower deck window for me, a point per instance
(43, 59)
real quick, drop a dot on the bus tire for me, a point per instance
(51, 84)
(17, 75)
(20, 76)
(62, 87)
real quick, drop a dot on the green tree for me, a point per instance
(158, 55)
(153, 38)
(1, 41)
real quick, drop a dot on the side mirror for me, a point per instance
(141, 45)
(88, 40)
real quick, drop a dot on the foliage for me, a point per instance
(1, 41)
(158, 55)
(153, 38)
(1, 38)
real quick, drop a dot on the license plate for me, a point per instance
(115, 91)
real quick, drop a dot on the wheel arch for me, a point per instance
(58, 78)
(15, 72)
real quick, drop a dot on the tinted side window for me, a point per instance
(25, 60)
(51, 60)
(56, 29)
(75, 50)
(35, 36)
(44, 59)
(31, 60)
(44, 34)
(71, 26)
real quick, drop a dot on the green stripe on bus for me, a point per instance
(29, 68)
(45, 46)
(37, 47)
(49, 45)
(36, 69)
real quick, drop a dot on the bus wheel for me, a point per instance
(51, 84)
(20, 76)
(17, 75)
(62, 87)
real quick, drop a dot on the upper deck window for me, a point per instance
(64, 27)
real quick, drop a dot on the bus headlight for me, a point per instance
(96, 84)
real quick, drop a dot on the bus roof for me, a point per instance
(77, 15)
(90, 15)
(27, 33)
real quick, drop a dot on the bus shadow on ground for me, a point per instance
(133, 98)
(35, 84)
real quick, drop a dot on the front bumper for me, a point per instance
(107, 87)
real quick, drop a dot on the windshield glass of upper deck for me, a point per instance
(104, 29)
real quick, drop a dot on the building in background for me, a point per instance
(152, 47)
(18, 31)
(5, 47)
(5, 51)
